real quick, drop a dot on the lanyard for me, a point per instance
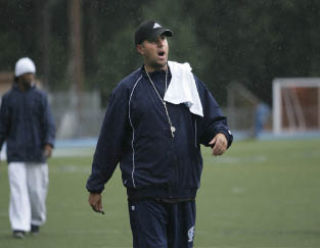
(172, 128)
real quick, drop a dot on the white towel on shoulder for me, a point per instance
(183, 88)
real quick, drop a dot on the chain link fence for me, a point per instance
(77, 116)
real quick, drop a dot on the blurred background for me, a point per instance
(240, 49)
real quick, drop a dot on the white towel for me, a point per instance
(182, 88)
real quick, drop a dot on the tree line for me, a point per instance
(251, 42)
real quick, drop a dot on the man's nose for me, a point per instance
(160, 42)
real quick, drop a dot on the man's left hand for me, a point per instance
(219, 144)
(47, 151)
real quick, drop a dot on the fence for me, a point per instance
(77, 116)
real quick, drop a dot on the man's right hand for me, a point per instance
(95, 201)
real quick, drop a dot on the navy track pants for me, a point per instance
(156, 224)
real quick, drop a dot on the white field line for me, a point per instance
(66, 169)
(71, 152)
(237, 160)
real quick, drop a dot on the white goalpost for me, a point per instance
(296, 105)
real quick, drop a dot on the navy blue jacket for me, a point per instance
(26, 124)
(136, 133)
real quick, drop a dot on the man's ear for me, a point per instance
(139, 48)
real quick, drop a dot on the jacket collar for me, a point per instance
(154, 73)
(16, 87)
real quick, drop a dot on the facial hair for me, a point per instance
(26, 84)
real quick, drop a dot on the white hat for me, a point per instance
(24, 65)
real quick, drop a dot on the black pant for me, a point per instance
(162, 225)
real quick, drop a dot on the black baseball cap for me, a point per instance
(150, 30)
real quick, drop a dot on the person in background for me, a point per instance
(27, 127)
(262, 113)
(155, 122)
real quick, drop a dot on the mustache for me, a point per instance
(27, 83)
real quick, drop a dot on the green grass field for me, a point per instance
(259, 194)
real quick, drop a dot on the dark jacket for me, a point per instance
(26, 124)
(136, 133)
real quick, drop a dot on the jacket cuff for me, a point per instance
(49, 142)
(224, 131)
(91, 189)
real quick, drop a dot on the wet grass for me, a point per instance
(259, 194)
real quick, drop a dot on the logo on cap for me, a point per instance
(156, 25)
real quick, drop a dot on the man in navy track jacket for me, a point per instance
(155, 122)
(27, 127)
